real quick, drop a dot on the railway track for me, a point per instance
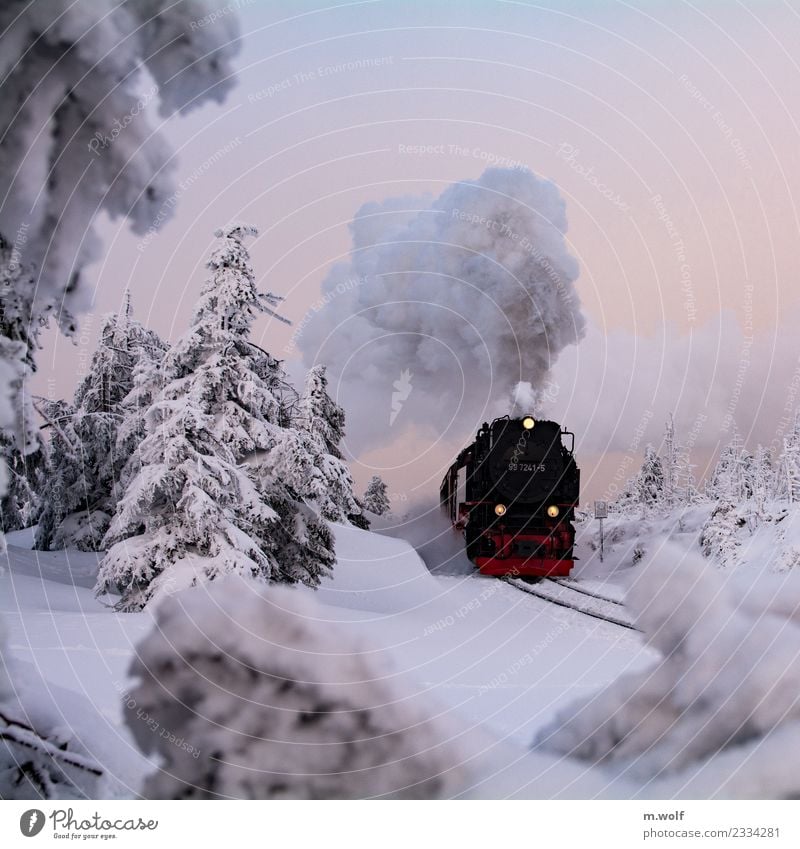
(573, 585)
(591, 604)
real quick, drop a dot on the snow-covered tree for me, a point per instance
(41, 764)
(27, 482)
(19, 335)
(322, 419)
(685, 483)
(194, 510)
(718, 713)
(375, 498)
(787, 475)
(75, 137)
(319, 414)
(650, 481)
(732, 478)
(270, 701)
(669, 463)
(86, 475)
(763, 477)
(720, 535)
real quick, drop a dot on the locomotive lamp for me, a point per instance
(552, 511)
(528, 422)
(500, 509)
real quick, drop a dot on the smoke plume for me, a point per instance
(444, 305)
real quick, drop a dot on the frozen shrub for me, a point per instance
(728, 680)
(268, 701)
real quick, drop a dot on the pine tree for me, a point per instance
(720, 486)
(20, 326)
(732, 479)
(719, 537)
(787, 477)
(375, 498)
(322, 419)
(685, 482)
(650, 482)
(670, 464)
(87, 474)
(215, 488)
(763, 477)
(27, 481)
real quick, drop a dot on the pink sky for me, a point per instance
(670, 129)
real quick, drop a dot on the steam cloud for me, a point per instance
(460, 298)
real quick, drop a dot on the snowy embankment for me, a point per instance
(746, 540)
(490, 661)
(479, 665)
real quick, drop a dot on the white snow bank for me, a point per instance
(489, 662)
(376, 573)
(726, 687)
(23, 538)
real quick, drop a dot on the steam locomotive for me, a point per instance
(513, 494)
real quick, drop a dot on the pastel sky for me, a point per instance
(670, 128)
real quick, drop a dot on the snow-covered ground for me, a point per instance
(496, 664)
(489, 655)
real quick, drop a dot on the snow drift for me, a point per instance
(444, 305)
(706, 720)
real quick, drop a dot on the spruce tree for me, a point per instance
(323, 420)
(670, 461)
(375, 498)
(650, 482)
(215, 489)
(732, 478)
(86, 475)
(763, 477)
(20, 326)
(787, 476)
(27, 482)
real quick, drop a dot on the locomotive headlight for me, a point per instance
(552, 511)
(500, 509)
(528, 422)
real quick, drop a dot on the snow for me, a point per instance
(492, 661)
(69, 655)
(725, 687)
(494, 666)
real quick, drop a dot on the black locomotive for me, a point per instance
(513, 493)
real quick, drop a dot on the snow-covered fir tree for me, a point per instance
(73, 80)
(732, 478)
(322, 419)
(87, 498)
(375, 498)
(763, 477)
(20, 327)
(27, 483)
(146, 383)
(685, 482)
(787, 474)
(720, 536)
(649, 485)
(219, 481)
(669, 463)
